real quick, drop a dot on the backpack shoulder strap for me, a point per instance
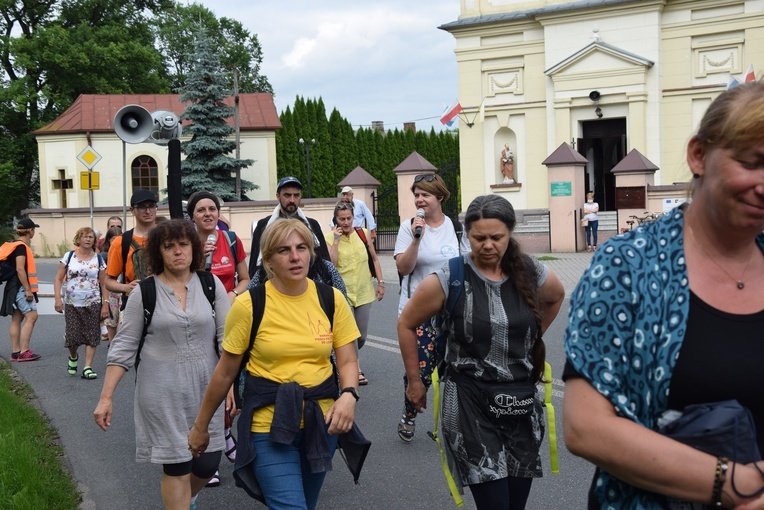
(208, 286)
(257, 294)
(459, 229)
(149, 294)
(231, 238)
(127, 239)
(455, 283)
(326, 300)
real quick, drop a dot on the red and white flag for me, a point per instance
(749, 75)
(451, 113)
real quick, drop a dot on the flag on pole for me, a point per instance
(445, 110)
(481, 113)
(450, 114)
(732, 83)
(749, 75)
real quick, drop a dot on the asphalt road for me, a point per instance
(396, 474)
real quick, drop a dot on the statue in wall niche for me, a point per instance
(507, 162)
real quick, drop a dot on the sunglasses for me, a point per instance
(344, 205)
(424, 177)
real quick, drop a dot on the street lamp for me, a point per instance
(307, 146)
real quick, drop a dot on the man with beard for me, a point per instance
(288, 193)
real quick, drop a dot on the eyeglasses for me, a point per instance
(87, 237)
(146, 207)
(344, 205)
(424, 177)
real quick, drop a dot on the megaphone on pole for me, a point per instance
(133, 123)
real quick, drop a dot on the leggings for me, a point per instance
(509, 493)
(428, 359)
(201, 467)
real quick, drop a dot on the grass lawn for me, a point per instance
(31, 473)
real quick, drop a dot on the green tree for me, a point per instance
(207, 164)
(236, 47)
(51, 51)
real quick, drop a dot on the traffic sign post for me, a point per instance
(89, 180)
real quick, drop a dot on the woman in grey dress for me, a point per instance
(177, 359)
(491, 413)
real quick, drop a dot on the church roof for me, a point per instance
(94, 113)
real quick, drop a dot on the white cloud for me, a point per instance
(371, 61)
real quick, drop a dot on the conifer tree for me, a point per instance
(208, 165)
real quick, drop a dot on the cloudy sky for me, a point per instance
(383, 61)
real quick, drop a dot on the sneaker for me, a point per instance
(193, 505)
(15, 356)
(406, 428)
(28, 356)
(215, 480)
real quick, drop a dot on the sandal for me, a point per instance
(72, 365)
(87, 373)
(362, 380)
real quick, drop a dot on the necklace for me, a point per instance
(740, 283)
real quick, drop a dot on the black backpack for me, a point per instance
(149, 294)
(257, 294)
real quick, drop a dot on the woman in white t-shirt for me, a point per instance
(83, 303)
(590, 212)
(423, 246)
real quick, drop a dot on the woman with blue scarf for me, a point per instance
(669, 315)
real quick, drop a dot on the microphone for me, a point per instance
(212, 239)
(418, 230)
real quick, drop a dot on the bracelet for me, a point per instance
(722, 465)
(380, 284)
(234, 291)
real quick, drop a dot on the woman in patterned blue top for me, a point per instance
(509, 300)
(671, 314)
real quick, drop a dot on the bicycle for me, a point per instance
(648, 217)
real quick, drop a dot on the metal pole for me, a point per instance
(124, 185)
(307, 161)
(237, 129)
(90, 192)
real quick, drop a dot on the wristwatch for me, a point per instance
(352, 391)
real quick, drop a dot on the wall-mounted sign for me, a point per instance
(561, 189)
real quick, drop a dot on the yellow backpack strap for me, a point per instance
(551, 428)
(436, 415)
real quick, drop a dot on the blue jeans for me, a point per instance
(22, 305)
(283, 472)
(591, 230)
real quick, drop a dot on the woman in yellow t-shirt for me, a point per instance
(290, 403)
(349, 253)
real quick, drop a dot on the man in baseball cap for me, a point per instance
(289, 194)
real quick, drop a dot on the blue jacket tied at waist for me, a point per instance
(288, 400)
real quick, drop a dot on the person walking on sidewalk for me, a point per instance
(86, 300)
(20, 297)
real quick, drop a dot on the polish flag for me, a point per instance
(451, 113)
(749, 75)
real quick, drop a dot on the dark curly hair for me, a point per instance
(168, 231)
(516, 265)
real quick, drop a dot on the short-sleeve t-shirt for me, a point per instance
(294, 342)
(82, 287)
(115, 266)
(224, 263)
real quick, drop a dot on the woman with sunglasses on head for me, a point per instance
(351, 256)
(424, 245)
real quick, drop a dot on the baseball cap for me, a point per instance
(288, 181)
(347, 189)
(27, 223)
(142, 195)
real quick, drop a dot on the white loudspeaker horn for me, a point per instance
(133, 123)
(166, 127)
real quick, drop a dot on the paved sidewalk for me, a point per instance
(567, 266)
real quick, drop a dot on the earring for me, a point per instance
(696, 176)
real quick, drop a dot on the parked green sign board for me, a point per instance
(561, 189)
